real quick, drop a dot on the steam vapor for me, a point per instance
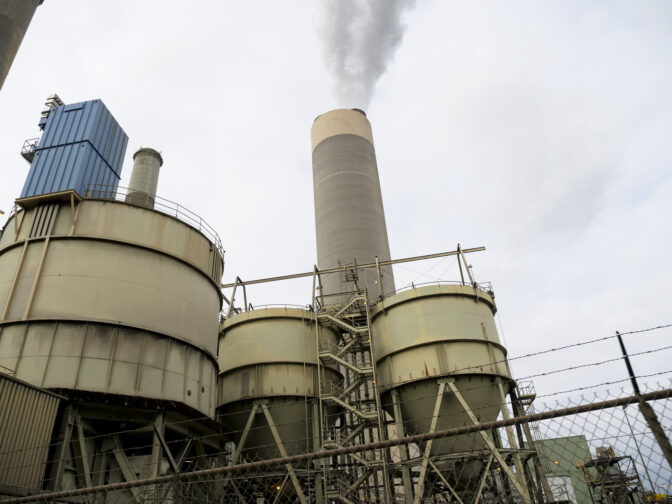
(360, 38)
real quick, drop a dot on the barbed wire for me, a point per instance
(203, 474)
(147, 429)
(301, 440)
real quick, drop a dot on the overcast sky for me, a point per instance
(540, 130)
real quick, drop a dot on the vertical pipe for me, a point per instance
(15, 16)
(349, 215)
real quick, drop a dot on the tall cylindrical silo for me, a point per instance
(116, 308)
(269, 355)
(439, 334)
(114, 287)
(145, 177)
(15, 16)
(349, 215)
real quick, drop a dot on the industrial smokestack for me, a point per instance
(145, 177)
(15, 16)
(349, 216)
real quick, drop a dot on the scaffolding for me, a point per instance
(612, 479)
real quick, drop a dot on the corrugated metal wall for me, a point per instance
(82, 144)
(27, 416)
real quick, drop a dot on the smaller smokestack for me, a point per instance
(145, 177)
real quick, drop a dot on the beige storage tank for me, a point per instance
(440, 332)
(270, 354)
(110, 298)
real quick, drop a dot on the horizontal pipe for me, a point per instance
(417, 438)
(359, 266)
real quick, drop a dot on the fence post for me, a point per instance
(646, 409)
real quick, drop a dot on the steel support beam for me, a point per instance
(81, 455)
(125, 467)
(518, 463)
(445, 482)
(481, 485)
(283, 453)
(542, 481)
(428, 445)
(63, 448)
(159, 432)
(359, 266)
(505, 467)
(403, 449)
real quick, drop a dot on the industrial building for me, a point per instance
(116, 332)
(561, 459)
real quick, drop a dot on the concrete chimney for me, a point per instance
(15, 16)
(349, 216)
(145, 177)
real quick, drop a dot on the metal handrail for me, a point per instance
(278, 305)
(484, 286)
(162, 205)
(29, 146)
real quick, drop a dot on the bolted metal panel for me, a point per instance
(349, 215)
(438, 332)
(109, 359)
(145, 177)
(270, 354)
(27, 417)
(15, 16)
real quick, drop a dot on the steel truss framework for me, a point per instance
(375, 476)
(354, 477)
(91, 449)
(613, 479)
(504, 475)
(274, 470)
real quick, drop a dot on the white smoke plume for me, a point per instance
(360, 38)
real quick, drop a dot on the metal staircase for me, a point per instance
(361, 476)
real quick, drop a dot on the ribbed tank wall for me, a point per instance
(107, 297)
(349, 215)
(434, 333)
(15, 16)
(270, 354)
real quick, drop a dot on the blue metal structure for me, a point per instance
(81, 144)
